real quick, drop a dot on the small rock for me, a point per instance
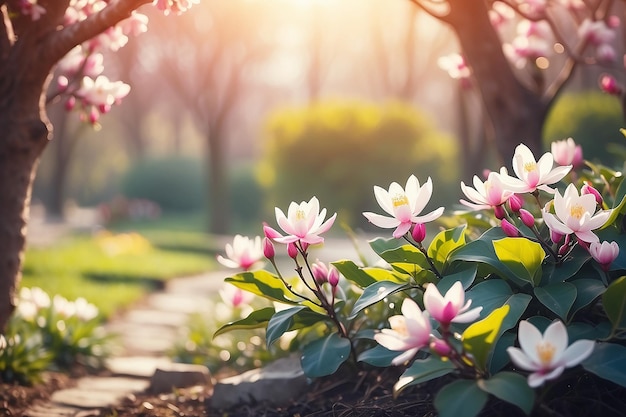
(136, 366)
(179, 375)
(276, 384)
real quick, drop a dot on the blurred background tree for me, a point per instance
(338, 150)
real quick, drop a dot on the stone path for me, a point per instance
(145, 334)
(147, 331)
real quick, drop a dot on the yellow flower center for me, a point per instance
(530, 166)
(577, 211)
(400, 200)
(300, 214)
(545, 352)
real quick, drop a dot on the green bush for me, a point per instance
(593, 119)
(335, 150)
(174, 183)
(245, 194)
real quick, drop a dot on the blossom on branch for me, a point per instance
(304, 222)
(404, 205)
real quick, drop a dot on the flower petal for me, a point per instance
(577, 352)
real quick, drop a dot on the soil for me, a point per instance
(366, 395)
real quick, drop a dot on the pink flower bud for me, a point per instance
(527, 218)
(578, 160)
(440, 347)
(268, 248)
(515, 203)
(499, 212)
(604, 253)
(270, 233)
(555, 237)
(292, 250)
(70, 103)
(62, 82)
(320, 272)
(94, 115)
(609, 85)
(419, 232)
(509, 229)
(588, 189)
(333, 276)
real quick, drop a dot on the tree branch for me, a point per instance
(59, 43)
(431, 11)
(7, 35)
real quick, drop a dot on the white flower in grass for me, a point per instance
(547, 355)
(404, 205)
(575, 213)
(409, 332)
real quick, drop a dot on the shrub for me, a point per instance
(335, 150)
(173, 183)
(594, 120)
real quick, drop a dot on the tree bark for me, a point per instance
(516, 113)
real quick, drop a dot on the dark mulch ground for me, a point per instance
(363, 395)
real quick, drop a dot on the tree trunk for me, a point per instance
(516, 113)
(21, 144)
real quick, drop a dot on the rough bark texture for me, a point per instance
(516, 113)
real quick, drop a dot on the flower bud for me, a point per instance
(555, 236)
(320, 272)
(70, 103)
(292, 250)
(268, 248)
(609, 85)
(499, 212)
(527, 218)
(440, 347)
(333, 276)
(509, 229)
(515, 203)
(604, 253)
(419, 232)
(588, 189)
(270, 233)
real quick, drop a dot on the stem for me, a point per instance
(421, 248)
(289, 287)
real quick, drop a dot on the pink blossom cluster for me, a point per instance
(600, 34)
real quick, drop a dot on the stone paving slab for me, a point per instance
(52, 410)
(136, 366)
(81, 398)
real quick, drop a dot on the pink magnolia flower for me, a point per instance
(576, 214)
(566, 152)
(31, 8)
(531, 174)
(604, 253)
(547, 355)
(450, 308)
(533, 40)
(404, 205)
(244, 253)
(102, 92)
(235, 296)
(456, 67)
(304, 222)
(409, 332)
(486, 195)
(609, 85)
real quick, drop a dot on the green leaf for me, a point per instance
(617, 208)
(489, 294)
(577, 259)
(614, 302)
(380, 245)
(522, 257)
(460, 398)
(422, 370)
(558, 297)
(374, 293)
(479, 338)
(378, 356)
(264, 284)
(324, 356)
(256, 319)
(499, 357)
(406, 254)
(364, 277)
(587, 290)
(444, 244)
(510, 387)
(466, 276)
(608, 361)
(291, 319)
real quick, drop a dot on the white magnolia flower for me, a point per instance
(576, 214)
(533, 175)
(485, 195)
(547, 355)
(450, 308)
(404, 205)
(409, 332)
(304, 222)
(244, 253)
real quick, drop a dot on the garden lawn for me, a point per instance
(115, 269)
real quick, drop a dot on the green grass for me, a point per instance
(81, 266)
